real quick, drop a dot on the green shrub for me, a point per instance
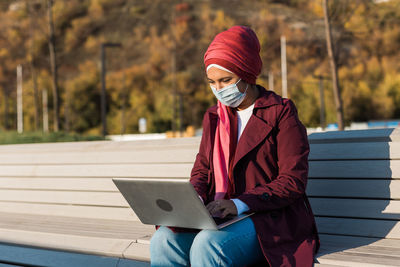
(38, 137)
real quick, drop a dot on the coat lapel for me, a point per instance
(255, 132)
(257, 129)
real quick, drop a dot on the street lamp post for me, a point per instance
(321, 99)
(103, 84)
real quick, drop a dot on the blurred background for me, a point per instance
(86, 69)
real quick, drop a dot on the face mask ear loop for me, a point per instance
(245, 90)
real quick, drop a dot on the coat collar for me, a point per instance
(266, 98)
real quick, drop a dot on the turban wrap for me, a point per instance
(236, 49)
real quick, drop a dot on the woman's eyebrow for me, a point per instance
(222, 78)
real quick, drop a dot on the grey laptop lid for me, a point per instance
(168, 202)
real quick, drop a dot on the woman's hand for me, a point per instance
(222, 208)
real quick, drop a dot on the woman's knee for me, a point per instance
(159, 238)
(208, 249)
(205, 239)
(219, 248)
(170, 249)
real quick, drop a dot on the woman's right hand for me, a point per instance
(222, 208)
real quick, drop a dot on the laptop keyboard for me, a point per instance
(219, 220)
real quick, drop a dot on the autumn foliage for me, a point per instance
(158, 72)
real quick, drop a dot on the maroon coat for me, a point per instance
(270, 173)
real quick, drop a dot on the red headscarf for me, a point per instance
(236, 49)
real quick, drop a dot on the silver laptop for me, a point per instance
(169, 202)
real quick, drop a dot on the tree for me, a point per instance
(53, 64)
(334, 69)
(32, 64)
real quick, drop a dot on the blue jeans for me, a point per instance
(234, 245)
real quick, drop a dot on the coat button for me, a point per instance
(265, 196)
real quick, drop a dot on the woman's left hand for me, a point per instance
(222, 208)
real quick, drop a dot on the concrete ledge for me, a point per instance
(16, 255)
(81, 244)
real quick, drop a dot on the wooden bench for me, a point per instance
(59, 206)
(354, 190)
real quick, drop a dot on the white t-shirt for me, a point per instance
(243, 118)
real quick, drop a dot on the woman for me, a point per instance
(252, 158)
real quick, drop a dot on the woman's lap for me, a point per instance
(234, 245)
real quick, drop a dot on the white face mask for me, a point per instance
(230, 95)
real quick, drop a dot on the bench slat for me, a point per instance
(371, 135)
(318, 169)
(354, 259)
(355, 169)
(80, 184)
(101, 145)
(110, 213)
(359, 227)
(107, 199)
(76, 226)
(103, 170)
(352, 188)
(163, 155)
(367, 249)
(340, 151)
(357, 241)
(356, 208)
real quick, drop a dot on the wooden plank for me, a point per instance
(98, 228)
(356, 150)
(370, 135)
(355, 169)
(155, 155)
(356, 208)
(354, 188)
(316, 264)
(59, 183)
(362, 247)
(367, 249)
(110, 213)
(359, 227)
(318, 169)
(101, 145)
(357, 241)
(106, 199)
(103, 170)
(71, 184)
(352, 259)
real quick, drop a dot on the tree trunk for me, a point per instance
(332, 61)
(5, 93)
(33, 71)
(53, 64)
